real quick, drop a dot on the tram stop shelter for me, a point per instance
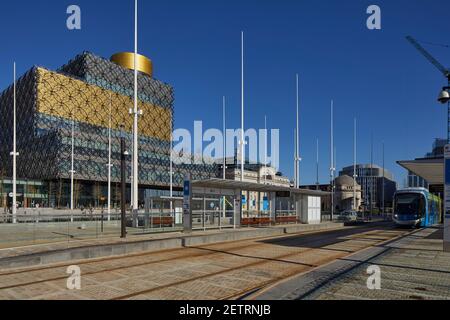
(220, 203)
(430, 169)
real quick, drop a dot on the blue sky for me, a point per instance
(376, 76)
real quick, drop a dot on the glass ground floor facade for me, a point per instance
(29, 193)
(87, 194)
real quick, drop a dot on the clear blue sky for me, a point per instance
(376, 76)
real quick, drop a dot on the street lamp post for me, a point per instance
(224, 169)
(136, 113)
(383, 190)
(355, 206)
(242, 142)
(123, 169)
(317, 165)
(14, 154)
(72, 170)
(109, 159)
(265, 149)
(297, 154)
(332, 167)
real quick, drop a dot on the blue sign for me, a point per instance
(187, 188)
(244, 200)
(447, 171)
(266, 204)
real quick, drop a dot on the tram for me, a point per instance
(417, 207)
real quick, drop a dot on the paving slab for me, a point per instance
(413, 267)
(44, 254)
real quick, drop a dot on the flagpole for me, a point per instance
(295, 158)
(109, 158)
(297, 155)
(242, 110)
(265, 151)
(371, 177)
(332, 169)
(384, 179)
(72, 170)
(224, 140)
(14, 154)
(354, 164)
(317, 165)
(135, 113)
(224, 114)
(171, 169)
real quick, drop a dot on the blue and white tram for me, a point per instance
(416, 207)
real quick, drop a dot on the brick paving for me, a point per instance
(415, 268)
(215, 271)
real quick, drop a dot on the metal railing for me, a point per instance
(286, 217)
(36, 228)
(212, 219)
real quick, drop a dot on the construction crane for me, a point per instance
(444, 96)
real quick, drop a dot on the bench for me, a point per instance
(256, 221)
(162, 221)
(286, 220)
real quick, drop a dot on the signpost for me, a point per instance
(237, 212)
(187, 207)
(447, 199)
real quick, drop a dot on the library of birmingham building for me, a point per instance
(92, 93)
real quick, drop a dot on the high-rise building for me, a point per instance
(415, 181)
(89, 96)
(370, 178)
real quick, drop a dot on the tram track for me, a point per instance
(208, 250)
(254, 291)
(164, 251)
(205, 251)
(278, 259)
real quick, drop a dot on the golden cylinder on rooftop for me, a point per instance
(126, 60)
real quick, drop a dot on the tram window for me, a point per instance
(422, 206)
(412, 203)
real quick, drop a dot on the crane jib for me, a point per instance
(429, 57)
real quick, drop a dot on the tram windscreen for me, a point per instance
(410, 203)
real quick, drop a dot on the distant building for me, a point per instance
(370, 178)
(257, 173)
(343, 197)
(77, 108)
(438, 149)
(415, 181)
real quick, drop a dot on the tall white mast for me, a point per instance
(335, 163)
(171, 168)
(109, 157)
(295, 159)
(136, 115)
(354, 164)
(297, 155)
(14, 154)
(265, 150)
(224, 111)
(384, 179)
(332, 168)
(72, 170)
(371, 177)
(242, 110)
(317, 165)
